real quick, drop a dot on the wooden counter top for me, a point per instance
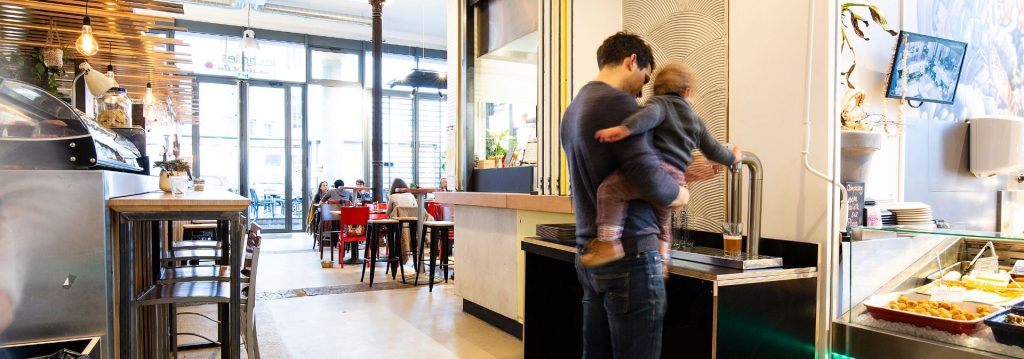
(554, 204)
(198, 201)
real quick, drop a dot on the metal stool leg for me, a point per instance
(370, 234)
(433, 255)
(418, 265)
(445, 252)
(374, 252)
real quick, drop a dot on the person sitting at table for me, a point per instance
(313, 222)
(338, 195)
(403, 205)
(363, 195)
(321, 191)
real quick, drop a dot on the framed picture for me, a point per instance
(932, 70)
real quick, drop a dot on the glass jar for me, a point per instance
(114, 108)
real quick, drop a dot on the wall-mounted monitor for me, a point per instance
(933, 68)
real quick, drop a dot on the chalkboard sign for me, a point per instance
(855, 190)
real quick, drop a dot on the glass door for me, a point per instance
(217, 152)
(273, 157)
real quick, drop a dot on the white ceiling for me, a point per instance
(406, 22)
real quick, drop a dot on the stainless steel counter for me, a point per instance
(54, 252)
(722, 275)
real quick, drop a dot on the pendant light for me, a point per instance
(248, 43)
(110, 64)
(86, 43)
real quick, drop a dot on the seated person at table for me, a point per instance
(363, 195)
(403, 205)
(338, 195)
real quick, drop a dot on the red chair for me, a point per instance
(351, 216)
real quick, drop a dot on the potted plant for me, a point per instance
(495, 150)
(861, 134)
(172, 168)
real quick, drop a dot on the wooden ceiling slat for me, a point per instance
(93, 12)
(137, 58)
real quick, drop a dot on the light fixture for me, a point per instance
(94, 81)
(86, 43)
(110, 65)
(248, 43)
(149, 100)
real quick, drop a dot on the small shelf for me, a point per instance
(945, 232)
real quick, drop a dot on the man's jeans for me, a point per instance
(623, 307)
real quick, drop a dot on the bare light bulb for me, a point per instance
(149, 100)
(86, 43)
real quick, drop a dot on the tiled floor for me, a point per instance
(304, 311)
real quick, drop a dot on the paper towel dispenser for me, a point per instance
(997, 145)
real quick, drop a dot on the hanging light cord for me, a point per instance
(86, 8)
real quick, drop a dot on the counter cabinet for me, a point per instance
(883, 262)
(712, 311)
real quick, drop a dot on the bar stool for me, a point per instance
(329, 226)
(438, 239)
(390, 229)
(198, 291)
(411, 223)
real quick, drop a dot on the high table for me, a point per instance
(418, 193)
(140, 244)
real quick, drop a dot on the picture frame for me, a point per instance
(933, 67)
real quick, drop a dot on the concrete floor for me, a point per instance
(305, 311)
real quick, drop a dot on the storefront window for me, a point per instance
(334, 66)
(220, 56)
(336, 132)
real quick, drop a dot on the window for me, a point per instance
(393, 67)
(220, 56)
(334, 66)
(336, 131)
(398, 138)
(432, 115)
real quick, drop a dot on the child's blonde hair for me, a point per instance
(674, 77)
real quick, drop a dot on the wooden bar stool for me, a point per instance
(389, 229)
(438, 239)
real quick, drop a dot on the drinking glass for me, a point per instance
(732, 238)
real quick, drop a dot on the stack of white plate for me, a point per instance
(913, 214)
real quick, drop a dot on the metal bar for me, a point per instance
(124, 288)
(286, 206)
(378, 119)
(235, 314)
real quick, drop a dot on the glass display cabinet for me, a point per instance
(942, 293)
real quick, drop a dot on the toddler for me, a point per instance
(677, 132)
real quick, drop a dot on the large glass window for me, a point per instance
(334, 66)
(398, 135)
(336, 132)
(220, 56)
(392, 67)
(433, 112)
(218, 135)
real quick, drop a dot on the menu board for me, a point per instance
(855, 201)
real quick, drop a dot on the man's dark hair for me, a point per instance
(339, 183)
(620, 46)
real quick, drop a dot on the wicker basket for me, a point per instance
(53, 55)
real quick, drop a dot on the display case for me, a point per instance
(40, 131)
(940, 293)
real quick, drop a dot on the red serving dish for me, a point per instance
(876, 305)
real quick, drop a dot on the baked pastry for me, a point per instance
(52, 128)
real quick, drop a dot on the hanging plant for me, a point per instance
(53, 53)
(857, 22)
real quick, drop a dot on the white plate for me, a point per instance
(906, 206)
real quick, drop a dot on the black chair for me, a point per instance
(386, 230)
(439, 239)
(329, 227)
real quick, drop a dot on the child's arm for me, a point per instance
(716, 151)
(648, 117)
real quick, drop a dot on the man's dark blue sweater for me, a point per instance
(595, 107)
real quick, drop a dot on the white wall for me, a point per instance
(592, 22)
(767, 81)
